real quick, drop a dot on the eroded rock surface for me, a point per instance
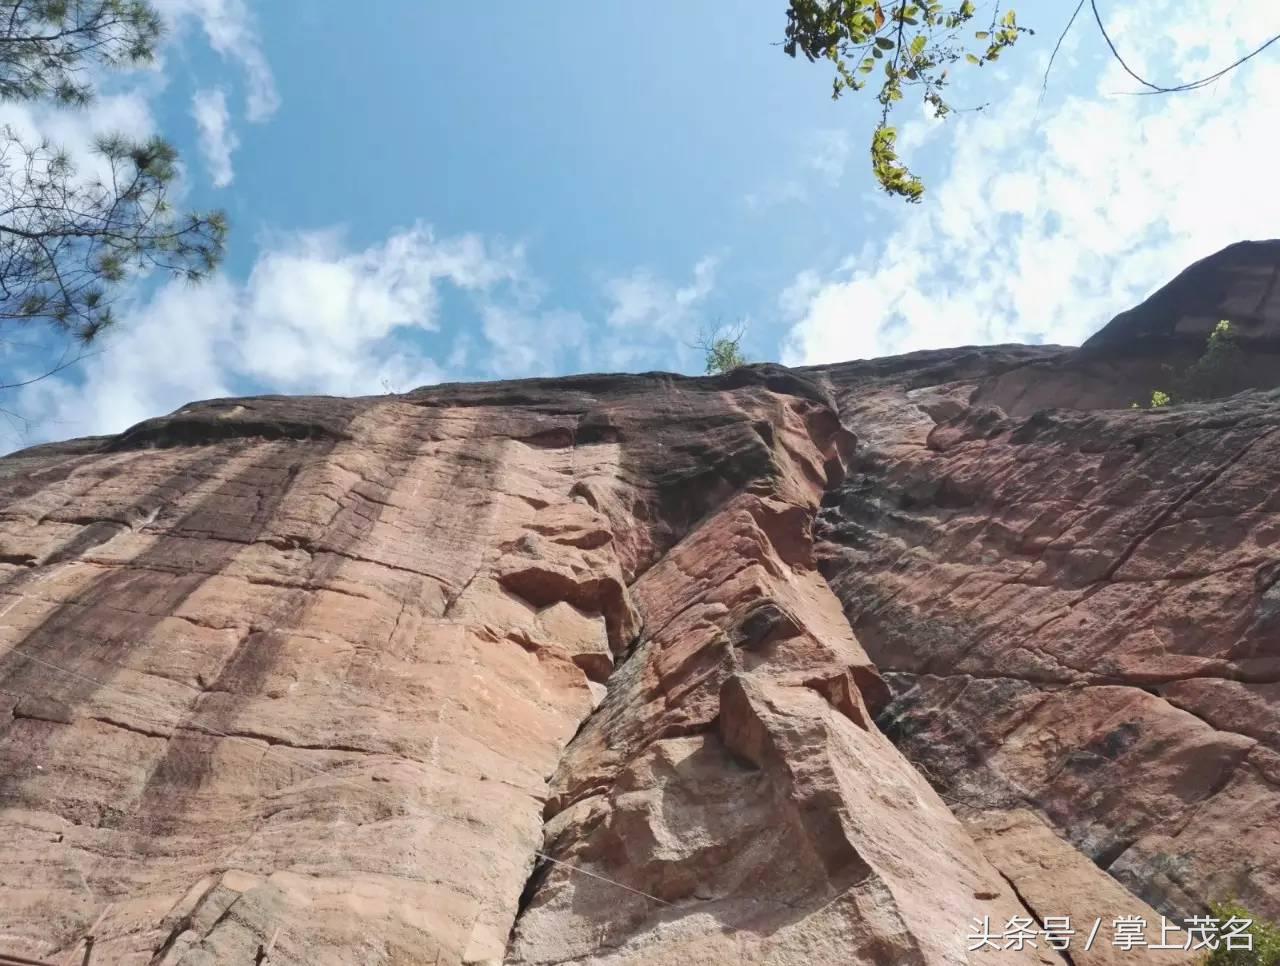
(1075, 613)
(733, 777)
(781, 667)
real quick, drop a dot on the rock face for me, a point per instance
(1135, 352)
(783, 666)
(1075, 612)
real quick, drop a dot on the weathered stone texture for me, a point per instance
(1073, 611)
(784, 667)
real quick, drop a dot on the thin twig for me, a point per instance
(1157, 88)
(56, 369)
(1044, 86)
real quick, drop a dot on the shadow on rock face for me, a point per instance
(1146, 347)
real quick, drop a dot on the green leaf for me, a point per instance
(972, 59)
(982, 35)
(884, 43)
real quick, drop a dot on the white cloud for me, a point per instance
(75, 131)
(778, 193)
(316, 316)
(796, 297)
(229, 27)
(1044, 223)
(830, 154)
(822, 159)
(647, 321)
(530, 342)
(642, 301)
(230, 30)
(161, 357)
(217, 140)
(313, 316)
(653, 322)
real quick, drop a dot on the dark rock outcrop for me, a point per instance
(1240, 283)
(1145, 347)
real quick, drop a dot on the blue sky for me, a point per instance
(437, 191)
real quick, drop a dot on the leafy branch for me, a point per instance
(48, 46)
(67, 242)
(914, 43)
(917, 43)
(70, 239)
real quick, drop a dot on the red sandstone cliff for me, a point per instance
(809, 666)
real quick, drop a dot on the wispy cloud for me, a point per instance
(830, 154)
(651, 320)
(641, 300)
(314, 316)
(645, 322)
(819, 165)
(230, 29)
(1046, 221)
(523, 340)
(217, 140)
(317, 316)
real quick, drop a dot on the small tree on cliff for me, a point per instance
(1216, 373)
(913, 44)
(722, 349)
(69, 238)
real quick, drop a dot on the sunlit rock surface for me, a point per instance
(784, 666)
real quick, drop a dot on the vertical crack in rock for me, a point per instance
(733, 771)
(1037, 918)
